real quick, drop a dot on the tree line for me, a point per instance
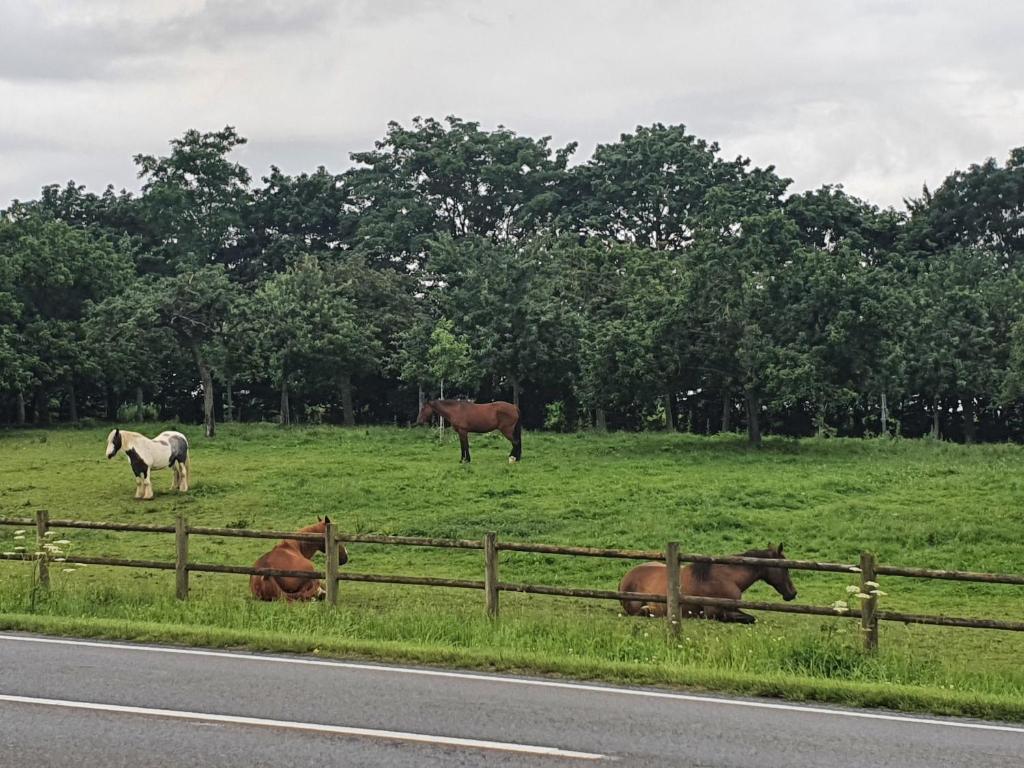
(658, 284)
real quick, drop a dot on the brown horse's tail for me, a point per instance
(517, 437)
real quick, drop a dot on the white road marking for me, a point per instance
(480, 677)
(343, 730)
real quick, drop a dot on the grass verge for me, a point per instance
(905, 698)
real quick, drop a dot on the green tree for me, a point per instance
(50, 274)
(452, 178)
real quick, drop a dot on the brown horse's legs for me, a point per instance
(514, 436)
(735, 617)
(464, 441)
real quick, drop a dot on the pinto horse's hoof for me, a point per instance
(512, 459)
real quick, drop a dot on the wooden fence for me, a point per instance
(868, 571)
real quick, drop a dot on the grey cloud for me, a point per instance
(880, 96)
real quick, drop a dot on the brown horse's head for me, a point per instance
(778, 578)
(426, 412)
(318, 527)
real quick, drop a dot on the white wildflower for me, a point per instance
(873, 584)
(67, 570)
(59, 559)
(48, 534)
(852, 589)
(19, 549)
(862, 596)
(878, 593)
(63, 542)
(854, 569)
(840, 607)
(20, 533)
(19, 538)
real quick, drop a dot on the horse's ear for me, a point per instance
(319, 519)
(327, 519)
(780, 547)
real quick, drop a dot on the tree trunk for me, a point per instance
(670, 424)
(885, 415)
(754, 419)
(419, 399)
(970, 429)
(440, 418)
(819, 419)
(229, 403)
(111, 398)
(727, 411)
(516, 389)
(345, 382)
(21, 408)
(935, 418)
(42, 415)
(600, 420)
(140, 405)
(572, 414)
(72, 402)
(286, 416)
(206, 377)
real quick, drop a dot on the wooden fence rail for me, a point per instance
(867, 570)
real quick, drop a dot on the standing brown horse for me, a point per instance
(466, 417)
(706, 580)
(293, 555)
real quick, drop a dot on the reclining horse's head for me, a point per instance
(319, 528)
(778, 578)
(113, 443)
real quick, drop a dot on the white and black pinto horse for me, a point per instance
(168, 449)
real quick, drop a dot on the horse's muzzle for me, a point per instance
(787, 598)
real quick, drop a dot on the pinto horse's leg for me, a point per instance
(464, 441)
(147, 485)
(138, 487)
(175, 477)
(183, 467)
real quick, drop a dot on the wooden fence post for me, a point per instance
(672, 613)
(331, 556)
(42, 526)
(491, 573)
(868, 607)
(181, 557)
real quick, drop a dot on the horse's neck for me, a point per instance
(307, 548)
(746, 575)
(131, 440)
(445, 408)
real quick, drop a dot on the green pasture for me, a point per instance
(915, 503)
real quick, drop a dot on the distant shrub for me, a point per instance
(130, 412)
(315, 414)
(554, 416)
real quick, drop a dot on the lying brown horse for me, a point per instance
(706, 580)
(466, 417)
(292, 555)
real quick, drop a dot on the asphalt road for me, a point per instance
(76, 703)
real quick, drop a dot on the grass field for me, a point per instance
(919, 503)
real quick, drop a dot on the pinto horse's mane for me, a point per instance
(702, 571)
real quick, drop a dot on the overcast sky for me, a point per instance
(879, 96)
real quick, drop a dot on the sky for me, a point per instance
(879, 96)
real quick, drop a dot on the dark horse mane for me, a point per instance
(702, 571)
